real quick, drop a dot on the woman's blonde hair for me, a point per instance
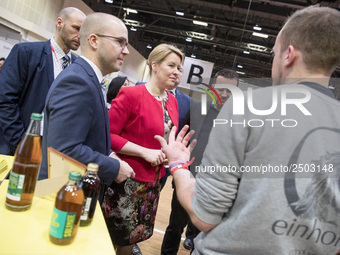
(159, 53)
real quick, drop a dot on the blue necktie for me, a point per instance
(66, 61)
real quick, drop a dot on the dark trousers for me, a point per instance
(177, 222)
(165, 177)
(191, 231)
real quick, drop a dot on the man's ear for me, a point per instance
(290, 55)
(93, 40)
(59, 23)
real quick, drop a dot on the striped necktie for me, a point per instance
(103, 86)
(66, 61)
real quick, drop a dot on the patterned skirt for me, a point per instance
(130, 210)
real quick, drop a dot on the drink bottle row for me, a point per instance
(75, 202)
(72, 207)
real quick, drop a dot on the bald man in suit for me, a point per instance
(28, 73)
(76, 119)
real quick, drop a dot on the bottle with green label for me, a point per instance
(24, 174)
(91, 187)
(67, 211)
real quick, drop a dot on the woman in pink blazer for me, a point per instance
(136, 116)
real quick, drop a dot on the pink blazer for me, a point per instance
(137, 116)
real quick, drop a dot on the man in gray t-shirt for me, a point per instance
(269, 179)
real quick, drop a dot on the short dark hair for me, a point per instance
(228, 73)
(114, 88)
(2, 59)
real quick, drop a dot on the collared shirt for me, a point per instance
(173, 92)
(58, 55)
(98, 73)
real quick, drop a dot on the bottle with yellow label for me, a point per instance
(67, 211)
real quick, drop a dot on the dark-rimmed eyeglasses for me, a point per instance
(122, 41)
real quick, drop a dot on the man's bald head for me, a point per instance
(104, 41)
(98, 23)
(68, 12)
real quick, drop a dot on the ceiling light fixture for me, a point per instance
(133, 23)
(128, 10)
(259, 48)
(189, 39)
(180, 13)
(109, 1)
(193, 55)
(240, 72)
(258, 28)
(133, 29)
(200, 23)
(239, 66)
(260, 35)
(197, 35)
(149, 46)
(246, 52)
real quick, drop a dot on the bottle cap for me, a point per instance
(92, 167)
(74, 176)
(36, 116)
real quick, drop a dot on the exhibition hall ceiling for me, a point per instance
(226, 35)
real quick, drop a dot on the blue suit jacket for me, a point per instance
(183, 107)
(76, 121)
(25, 79)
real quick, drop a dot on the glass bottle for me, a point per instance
(24, 174)
(67, 210)
(91, 188)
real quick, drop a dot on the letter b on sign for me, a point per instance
(195, 71)
(195, 74)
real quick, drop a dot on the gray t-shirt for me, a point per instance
(294, 207)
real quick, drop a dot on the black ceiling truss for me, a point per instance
(223, 41)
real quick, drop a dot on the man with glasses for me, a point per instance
(76, 120)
